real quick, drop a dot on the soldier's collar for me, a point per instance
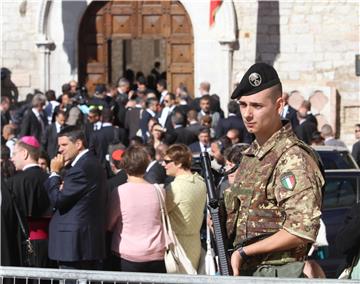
(260, 151)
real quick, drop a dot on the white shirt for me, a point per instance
(164, 114)
(82, 153)
(58, 127)
(150, 165)
(30, 166)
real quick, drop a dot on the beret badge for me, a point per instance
(255, 79)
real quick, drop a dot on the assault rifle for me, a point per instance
(214, 208)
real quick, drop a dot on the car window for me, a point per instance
(340, 192)
(336, 160)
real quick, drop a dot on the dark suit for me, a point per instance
(77, 228)
(145, 117)
(194, 128)
(195, 147)
(356, 152)
(233, 122)
(50, 140)
(180, 135)
(102, 138)
(291, 115)
(30, 125)
(118, 179)
(306, 129)
(156, 174)
(132, 121)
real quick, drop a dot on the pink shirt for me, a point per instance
(135, 220)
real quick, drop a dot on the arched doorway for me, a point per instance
(117, 35)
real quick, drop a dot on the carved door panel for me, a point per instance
(92, 47)
(107, 22)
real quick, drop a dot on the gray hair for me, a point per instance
(38, 99)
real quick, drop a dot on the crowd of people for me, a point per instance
(82, 170)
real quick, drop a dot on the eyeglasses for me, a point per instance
(167, 161)
(166, 101)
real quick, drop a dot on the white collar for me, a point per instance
(106, 124)
(82, 153)
(203, 113)
(151, 112)
(150, 165)
(35, 111)
(30, 166)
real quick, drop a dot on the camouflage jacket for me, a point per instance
(277, 186)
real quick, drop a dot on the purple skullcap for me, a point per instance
(31, 141)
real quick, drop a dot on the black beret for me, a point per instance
(260, 76)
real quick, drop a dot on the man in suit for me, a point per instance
(193, 124)
(108, 134)
(77, 228)
(328, 134)
(155, 172)
(307, 123)
(115, 156)
(150, 111)
(180, 133)
(161, 88)
(356, 147)
(289, 112)
(27, 187)
(233, 121)
(121, 101)
(206, 110)
(168, 110)
(50, 142)
(93, 122)
(35, 121)
(204, 142)
(132, 115)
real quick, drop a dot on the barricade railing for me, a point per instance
(42, 275)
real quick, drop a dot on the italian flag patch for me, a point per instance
(288, 181)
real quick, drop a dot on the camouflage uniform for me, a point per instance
(277, 186)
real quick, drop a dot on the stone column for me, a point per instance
(227, 70)
(45, 47)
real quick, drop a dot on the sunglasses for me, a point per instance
(166, 101)
(167, 161)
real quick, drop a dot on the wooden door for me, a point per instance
(106, 21)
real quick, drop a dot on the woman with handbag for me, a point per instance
(134, 217)
(185, 200)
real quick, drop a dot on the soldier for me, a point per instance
(273, 207)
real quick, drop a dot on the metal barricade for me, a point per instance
(24, 275)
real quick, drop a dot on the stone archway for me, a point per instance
(104, 23)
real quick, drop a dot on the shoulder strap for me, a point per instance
(167, 229)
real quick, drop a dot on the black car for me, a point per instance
(335, 157)
(342, 190)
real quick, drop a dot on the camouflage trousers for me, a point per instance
(288, 270)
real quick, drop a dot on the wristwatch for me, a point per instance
(243, 254)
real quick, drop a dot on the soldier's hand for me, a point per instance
(57, 163)
(236, 261)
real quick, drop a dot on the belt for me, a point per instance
(38, 228)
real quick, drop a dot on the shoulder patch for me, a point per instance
(288, 180)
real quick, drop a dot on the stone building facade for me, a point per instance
(312, 44)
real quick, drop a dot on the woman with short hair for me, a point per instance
(135, 218)
(185, 200)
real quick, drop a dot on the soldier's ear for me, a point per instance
(280, 103)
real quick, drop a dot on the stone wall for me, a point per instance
(19, 52)
(311, 44)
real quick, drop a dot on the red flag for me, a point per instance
(214, 7)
